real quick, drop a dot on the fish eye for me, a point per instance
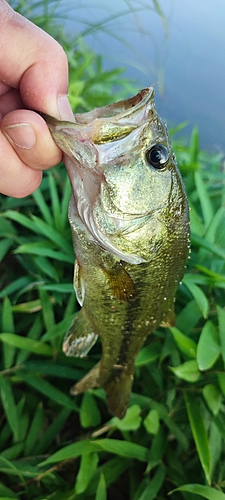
(157, 156)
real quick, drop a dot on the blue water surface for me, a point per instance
(185, 54)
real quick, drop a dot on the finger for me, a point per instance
(9, 101)
(17, 179)
(40, 71)
(29, 135)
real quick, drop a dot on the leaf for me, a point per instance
(53, 431)
(35, 429)
(202, 491)
(205, 201)
(59, 329)
(6, 493)
(184, 343)
(8, 326)
(42, 249)
(199, 433)
(188, 317)
(47, 309)
(153, 487)
(16, 285)
(201, 242)
(33, 333)
(9, 406)
(27, 307)
(151, 422)
(13, 451)
(121, 448)
(52, 234)
(208, 349)
(43, 207)
(55, 203)
(89, 413)
(4, 247)
(88, 466)
(10, 468)
(213, 397)
(147, 355)
(101, 493)
(198, 295)
(221, 320)
(187, 371)
(130, 422)
(48, 390)
(27, 344)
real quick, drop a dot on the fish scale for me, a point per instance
(130, 225)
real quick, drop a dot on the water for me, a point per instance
(189, 64)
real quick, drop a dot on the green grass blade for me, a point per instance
(34, 333)
(154, 486)
(9, 468)
(198, 295)
(9, 406)
(205, 201)
(27, 344)
(55, 203)
(7, 321)
(65, 203)
(4, 247)
(52, 431)
(221, 320)
(199, 433)
(47, 309)
(208, 349)
(43, 207)
(48, 390)
(203, 491)
(88, 466)
(51, 234)
(42, 249)
(121, 448)
(35, 430)
(184, 343)
(17, 284)
(101, 493)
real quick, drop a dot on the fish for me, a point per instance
(129, 219)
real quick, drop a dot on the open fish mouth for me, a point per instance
(95, 140)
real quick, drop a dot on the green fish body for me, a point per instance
(130, 226)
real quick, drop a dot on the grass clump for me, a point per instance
(171, 441)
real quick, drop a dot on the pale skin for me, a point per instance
(33, 76)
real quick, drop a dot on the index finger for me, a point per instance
(40, 67)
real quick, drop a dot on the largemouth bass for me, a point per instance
(130, 226)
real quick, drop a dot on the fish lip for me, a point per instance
(123, 108)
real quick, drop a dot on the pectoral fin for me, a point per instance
(78, 283)
(80, 337)
(120, 282)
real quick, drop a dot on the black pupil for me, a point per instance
(157, 156)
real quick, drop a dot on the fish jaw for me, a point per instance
(95, 149)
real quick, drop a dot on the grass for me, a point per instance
(171, 441)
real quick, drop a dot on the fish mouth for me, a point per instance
(88, 144)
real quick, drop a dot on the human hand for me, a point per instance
(33, 75)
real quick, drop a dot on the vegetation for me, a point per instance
(171, 441)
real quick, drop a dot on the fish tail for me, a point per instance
(118, 392)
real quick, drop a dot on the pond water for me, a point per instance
(188, 61)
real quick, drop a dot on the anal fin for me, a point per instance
(89, 381)
(80, 337)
